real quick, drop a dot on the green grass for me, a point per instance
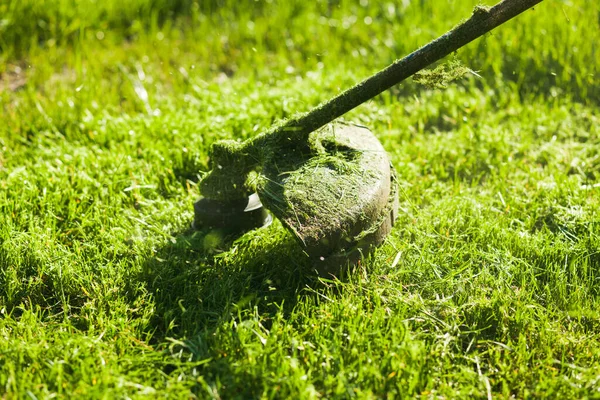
(488, 284)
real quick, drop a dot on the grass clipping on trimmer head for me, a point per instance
(332, 197)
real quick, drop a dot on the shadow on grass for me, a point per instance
(215, 295)
(204, 278)
(205, 283)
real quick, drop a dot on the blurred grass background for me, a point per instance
(551, 48)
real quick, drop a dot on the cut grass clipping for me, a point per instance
(442, 75)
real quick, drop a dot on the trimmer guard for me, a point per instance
(341, 201)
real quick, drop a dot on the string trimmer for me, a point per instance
(330, 184)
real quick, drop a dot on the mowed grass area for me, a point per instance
(488, 286)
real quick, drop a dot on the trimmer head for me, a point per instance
(339, 202)
(335, 192)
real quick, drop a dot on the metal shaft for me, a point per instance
(481, 21)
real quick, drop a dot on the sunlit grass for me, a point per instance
(489, 282)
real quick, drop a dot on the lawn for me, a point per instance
(488, 286)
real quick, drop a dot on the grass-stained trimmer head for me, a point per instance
(335, 192)
(341, 201)
(331, 184)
